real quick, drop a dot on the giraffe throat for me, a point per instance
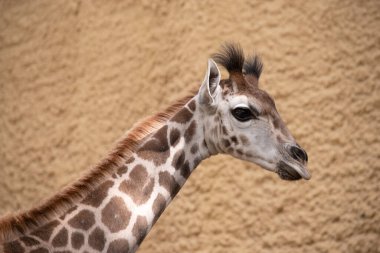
(117, 215)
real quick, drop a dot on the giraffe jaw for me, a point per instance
(289, 172)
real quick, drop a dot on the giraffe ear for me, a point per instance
(210, 87)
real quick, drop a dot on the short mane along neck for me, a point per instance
(123, 207)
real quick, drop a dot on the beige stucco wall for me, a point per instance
(74, 75)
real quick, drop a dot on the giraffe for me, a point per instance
(115, 205)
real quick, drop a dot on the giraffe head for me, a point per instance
(242, 120)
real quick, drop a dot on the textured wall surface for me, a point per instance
(74, 75)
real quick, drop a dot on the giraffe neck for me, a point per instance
(117, 215)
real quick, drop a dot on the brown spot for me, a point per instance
(130, 160)
(157, 148)
(122, 170)
(39, 250)
(118, 246)
(62, 217)
(29, 241)
(178, 159)
(45, 231)
(139, 174)
(239, 151)
(190, 131)
(183, 116)
(226, 143)
(196, 161)
(234, 140)
(95, 198)
(192, 105)
(13, 247)
(60, 239)
(159, 205)
(115, 215)
(185, 170)
(77, 240)
(140, 228)
(194, 148)
(161, 135)
(168, 182)
(224, 130)
(244, 140)
(174, 136)
(83, 220)
(279, 138)
(139, 186)
(96, 239)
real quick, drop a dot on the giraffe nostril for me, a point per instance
(298, 154)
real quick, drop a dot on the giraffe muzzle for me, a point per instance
(295, 172)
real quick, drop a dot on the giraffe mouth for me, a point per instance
(287, 172)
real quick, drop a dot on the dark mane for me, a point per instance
(231, 57)
(253, 66)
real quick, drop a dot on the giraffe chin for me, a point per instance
(287, 172)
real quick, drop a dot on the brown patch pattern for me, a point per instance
(139, 186)
(96, 197)
(29, 241)
(115, 215)
(45, 231)
(129, 144)
(13, 247)
(234, 140)
(130, 160)
(194, 148)
(140, 228)
(159, 205)
(85, 219)
(77, 240)
(157, 148)
(178, 159)
(97, 239)
(39, 250)
(192, 105)
(183, 116)
(122, 170)
(226, 143)
(61, 238)
(174, 136)
(190, 131)
(244, 140)
(169, 183)
(118, 246)
(185, 170)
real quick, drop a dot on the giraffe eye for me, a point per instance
(243, 114)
